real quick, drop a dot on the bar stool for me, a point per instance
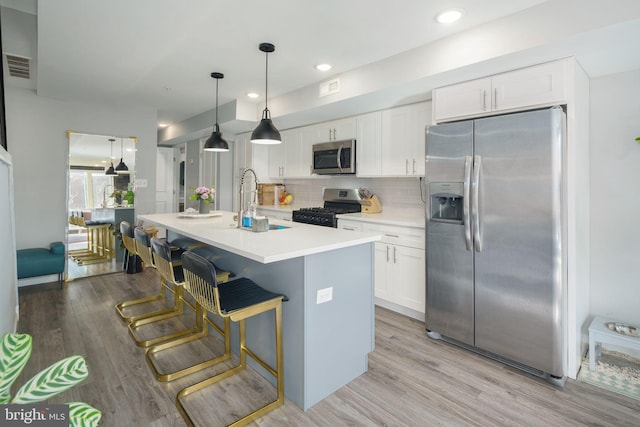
(174, 273)
(128, 239)
(167, 281)
(131, 262)
(99, 242)
(236, 300)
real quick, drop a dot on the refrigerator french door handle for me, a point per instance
(465, 204)
(477, 240)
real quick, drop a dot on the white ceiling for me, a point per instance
(160, 53)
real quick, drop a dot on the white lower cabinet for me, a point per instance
(400, 276)
(399, 267)
(345, 224)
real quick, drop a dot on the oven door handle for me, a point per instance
(340, 158)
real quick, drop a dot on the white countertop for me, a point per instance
(270, 246)
(390, 216)
(281, 208)
(404, 218)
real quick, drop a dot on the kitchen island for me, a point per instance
(328, 276)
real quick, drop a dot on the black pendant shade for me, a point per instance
(215, 141)
(111, 170)
(122, 167)
(266, 132)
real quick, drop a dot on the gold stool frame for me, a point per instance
(130, 244)
(208, 296)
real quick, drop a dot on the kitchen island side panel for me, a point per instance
(339, 334)
(325, 345)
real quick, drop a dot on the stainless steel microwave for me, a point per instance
(334, 158)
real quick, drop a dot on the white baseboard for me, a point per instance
(400, 309)
(15, 323)
(29, 281)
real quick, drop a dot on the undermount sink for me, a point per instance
(271, 227)
(277, 227)
(623, 329)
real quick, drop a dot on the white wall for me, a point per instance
(615, 197)
(8, 274)
(37, 142)
(394, 193)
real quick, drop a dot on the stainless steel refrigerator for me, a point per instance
(494, 235)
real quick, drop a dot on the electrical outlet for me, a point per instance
(140, 183)
(324, 295)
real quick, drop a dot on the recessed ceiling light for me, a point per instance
(252, 95)
(450, 15)
(323, 67)
(163, 125)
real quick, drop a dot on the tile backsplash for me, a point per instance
(402, 193)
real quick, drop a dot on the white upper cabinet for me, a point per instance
(420, 119)
(538, 86)
(306, 140)
(395, 141)
(369, 144)
(403, 139)
(391, 142)
(336, 130)
(462, 100)
(292, 158)
(276, 156)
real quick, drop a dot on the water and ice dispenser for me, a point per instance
(446, 201)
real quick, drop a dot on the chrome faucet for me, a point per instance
(104, 195)
(241, 199)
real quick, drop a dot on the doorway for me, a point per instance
(100, 195)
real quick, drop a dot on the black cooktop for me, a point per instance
(336, 211)
(325, 216)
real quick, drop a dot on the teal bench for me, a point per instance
(41, 261)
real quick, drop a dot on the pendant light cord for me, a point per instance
(216, 101)
(266, 84)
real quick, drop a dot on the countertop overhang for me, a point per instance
(265, 247)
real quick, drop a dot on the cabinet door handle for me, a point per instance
(392, 235)
(495, 98)
(387, 253)
(406, 166)
(484, 100)
(414, 166)
(395, 258)
(349, 228)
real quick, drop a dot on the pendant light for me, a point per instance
(266, 132)
(215, 141)
(111, 170)
(122, 168)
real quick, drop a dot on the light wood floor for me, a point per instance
(412, 380)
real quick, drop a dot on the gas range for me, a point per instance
(321, 216)
(336, 202)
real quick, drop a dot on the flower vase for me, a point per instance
(204, 207)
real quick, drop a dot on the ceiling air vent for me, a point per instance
(19, 66)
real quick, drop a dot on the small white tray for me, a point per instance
(199, 215)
